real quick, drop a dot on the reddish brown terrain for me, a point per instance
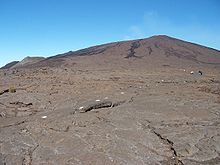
(123, 103)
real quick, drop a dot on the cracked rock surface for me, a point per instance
(130, 116)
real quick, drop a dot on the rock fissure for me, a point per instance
(60, 130)
(100, 105)
(149, 50)
(21, 104)
(28, 156)
(14, 124)
(134, 46)
(4, 91)
(175, 157)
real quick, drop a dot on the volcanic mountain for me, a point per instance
(141, 102)
(157, 50)
(10, 65)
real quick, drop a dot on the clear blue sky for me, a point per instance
(49, 27)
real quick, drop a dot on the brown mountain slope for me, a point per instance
(27, 61)
(156, 50)
(9, 65)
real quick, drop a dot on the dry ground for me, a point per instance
(163, 116)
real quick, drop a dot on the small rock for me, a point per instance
(43, 117)
(2, 114)
(24, 130)
(200, 72)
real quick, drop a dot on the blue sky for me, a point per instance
(50, 27)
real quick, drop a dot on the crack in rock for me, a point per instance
(174, 160)
(100, 105)
(149, 50)
(61, 130)
(2, 159)
(14, 124)
(134, 46)
(169, 143)
(4, 91)
(28, 156)
(21, 104)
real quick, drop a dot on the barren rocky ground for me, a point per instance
(119, 114)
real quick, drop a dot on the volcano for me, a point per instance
(147, 101)
(157, 50)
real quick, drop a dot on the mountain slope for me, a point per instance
(23, 63)
(157, 50)
(28, 61)
(9, 65)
